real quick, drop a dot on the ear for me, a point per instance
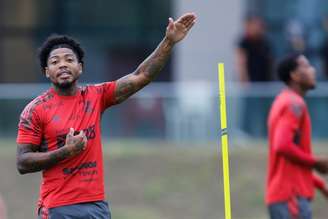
(46, 70)
(294, 76)
(80, 68)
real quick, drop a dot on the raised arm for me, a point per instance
(149, 68)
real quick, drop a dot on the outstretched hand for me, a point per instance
(177, 30)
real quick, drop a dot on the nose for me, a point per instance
(62, 64)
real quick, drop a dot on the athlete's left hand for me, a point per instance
(177, 30)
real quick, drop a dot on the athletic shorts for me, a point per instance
(282, 211)
(88, 210)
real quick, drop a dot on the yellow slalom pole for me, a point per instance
(224, 142)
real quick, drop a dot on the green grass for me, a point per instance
(129, 212)
(159, 180)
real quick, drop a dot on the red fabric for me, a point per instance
(293, 207)
(318, 182)
(290, 157)
(46, 122)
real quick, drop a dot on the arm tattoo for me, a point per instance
(125, 88)
(156, 61)
(145, 73)
(30, 160)
(59, 155)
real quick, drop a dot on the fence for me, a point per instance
(178, 111)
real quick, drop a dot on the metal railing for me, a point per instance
(178, 111)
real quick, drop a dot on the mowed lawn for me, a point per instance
(158, 180)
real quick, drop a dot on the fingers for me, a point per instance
(171, 24)
(84, 140)
(190, 25)
(187, 19)
(71, 132)
(76, 143)
(79, 138)
(81, 134)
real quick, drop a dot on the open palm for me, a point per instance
(177, 30)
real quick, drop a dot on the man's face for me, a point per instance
(255, 27)
(63, 67)
(306, 73)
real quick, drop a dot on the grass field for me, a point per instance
(155, 180)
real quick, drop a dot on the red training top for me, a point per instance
(46, 121)
(290, 157)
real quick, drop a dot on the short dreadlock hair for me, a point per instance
(55, 42)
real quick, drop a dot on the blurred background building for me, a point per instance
(183, 103)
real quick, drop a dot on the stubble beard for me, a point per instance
(67, 85)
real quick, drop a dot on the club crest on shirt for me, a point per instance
(90, 133)
(56, 118)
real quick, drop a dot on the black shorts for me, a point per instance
(88, 210)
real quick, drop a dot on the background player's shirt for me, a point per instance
(46, 120)
(290, 156)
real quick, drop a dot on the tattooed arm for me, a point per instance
(29, 160)
(149, 69)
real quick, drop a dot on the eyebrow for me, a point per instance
(66, 55)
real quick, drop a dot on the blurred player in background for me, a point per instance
(291, 180)
(59, 131)
(254, 64)
(253, 55)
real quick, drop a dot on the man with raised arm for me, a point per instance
(59, 131)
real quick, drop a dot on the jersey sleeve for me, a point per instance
(287, 135)
(318, 182)
(107, 94)
(29, 127)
